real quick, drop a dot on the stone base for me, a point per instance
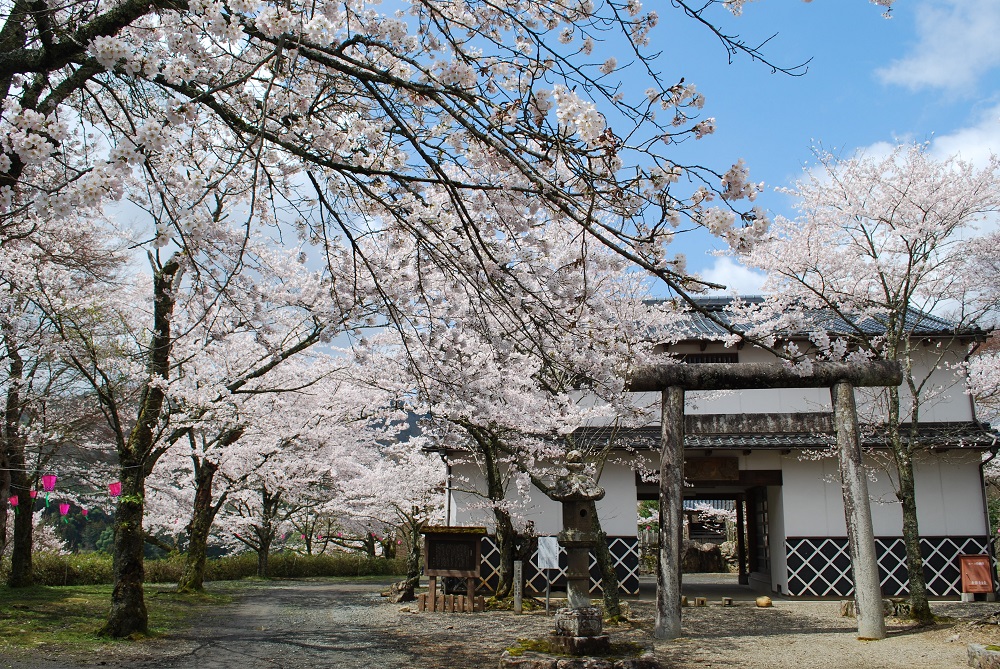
(582, 622)
(543, 661)
(898, 607)
(581, 645)
(983, 658)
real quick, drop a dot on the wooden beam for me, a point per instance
(820, 422)
(728, 376)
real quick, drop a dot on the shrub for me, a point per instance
(96, 568)
(75, 569)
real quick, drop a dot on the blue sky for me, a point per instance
(930, 73)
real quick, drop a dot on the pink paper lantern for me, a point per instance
(399, 542)
(302, 536)
(13, 500)
(63, 508)
(84, 512)
(49, 482)
(115, 488)
(33, 494)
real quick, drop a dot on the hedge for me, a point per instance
(96, 568)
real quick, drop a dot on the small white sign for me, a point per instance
(548, 553)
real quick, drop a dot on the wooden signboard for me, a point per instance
(977, 573)
(453, 551)
(721, 470)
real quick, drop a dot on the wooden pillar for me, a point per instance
(857, 513)
(753, 550)
(741, 544)
(668, 573)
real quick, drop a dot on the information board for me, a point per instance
(977, 573)
(548, 553)
(453, 551)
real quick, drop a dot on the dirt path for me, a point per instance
(345, 624)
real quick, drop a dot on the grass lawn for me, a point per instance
(65, 619)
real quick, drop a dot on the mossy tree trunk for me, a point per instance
(128, 606)
(20, 483)
(413, 526)
(903, 452)
(202, 516)
(488, 455)
(136, 457)
(203, 512)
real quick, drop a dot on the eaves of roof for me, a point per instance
(943, 435)
(918, 323)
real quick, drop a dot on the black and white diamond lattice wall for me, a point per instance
(624, 553)
(821, 566)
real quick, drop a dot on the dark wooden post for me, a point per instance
(857, 513)
(668, 573)
(753, 549)
(741, 543)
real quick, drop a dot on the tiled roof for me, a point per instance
(932, 435)
(917, 322)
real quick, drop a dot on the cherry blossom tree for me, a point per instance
(400, 485)
(308, 446)
(43, 407)
(438, 129)
(510, 394)
(880, 245)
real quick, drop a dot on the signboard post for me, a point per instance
(977, 575)
(518, 585)
(548, 558)
(452, 552)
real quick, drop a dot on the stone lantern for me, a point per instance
(579, 626)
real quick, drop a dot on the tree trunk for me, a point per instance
(202, 515)
(505, 545)
(857, 515)
(13, 446)
(920, 608)
(128, 607)
(413, 556)
(4, 499)
(606, 563)
(21, 571)
(263, 553)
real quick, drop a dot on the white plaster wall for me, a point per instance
(617, 510)
(468, 508)
(776, 539)
(950, 494)
(759, 459)
(949, 497)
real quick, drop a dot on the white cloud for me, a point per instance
(974, 143)
(957, 44)
(734, 276)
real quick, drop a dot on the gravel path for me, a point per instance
(347, 625)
